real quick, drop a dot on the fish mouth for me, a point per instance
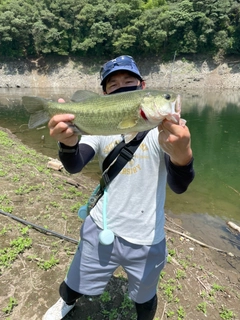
(143, 114)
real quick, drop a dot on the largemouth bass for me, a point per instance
(124, 113)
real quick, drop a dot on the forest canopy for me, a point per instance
(111, 27)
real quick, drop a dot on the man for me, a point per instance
(136, 197)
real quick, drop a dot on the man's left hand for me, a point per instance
(175, 140)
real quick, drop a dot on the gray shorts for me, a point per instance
(94, 264)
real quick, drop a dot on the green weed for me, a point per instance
(7, 209)
(170, 314)
(226, 314)
(17, 246)
(75, 207)
(11, 304)
(64, 216)
(24, 230)
(4, 140)
(3, 173)
(126, 306)
(168, 289)
(202, 307)
(48, 264)
(180, 274)
(55, 204)
(3, 231)
(105, 297)
(181, 313)
(24, 189)
(171, 252)
(15, 178)
(217, 287)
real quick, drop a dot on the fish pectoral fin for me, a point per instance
(130, 136)
(37, 119)
(127, 123)
(76, 129)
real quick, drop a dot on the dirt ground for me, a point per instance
(33, 263)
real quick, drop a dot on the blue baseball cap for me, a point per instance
(120, 63)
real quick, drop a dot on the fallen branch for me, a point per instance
(234, 190)
(199, 242)
(198, 278)
(233, 226)
(69, 181)
(164, 308)
(172, 222)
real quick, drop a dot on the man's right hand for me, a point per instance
(60, 131)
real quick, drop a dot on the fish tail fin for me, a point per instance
(37, 108)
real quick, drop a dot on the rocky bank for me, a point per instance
(192, 72)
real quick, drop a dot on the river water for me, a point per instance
(214, 196)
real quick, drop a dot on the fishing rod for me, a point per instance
(167, 95)
(173, 62)
(39, 228)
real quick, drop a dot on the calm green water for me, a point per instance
(215, 132)
(214, 121)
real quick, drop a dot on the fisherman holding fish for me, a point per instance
(136, 196)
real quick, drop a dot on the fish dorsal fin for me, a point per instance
(34, 104)
(37, 119)
(81, 95)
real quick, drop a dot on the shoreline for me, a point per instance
(190, 73)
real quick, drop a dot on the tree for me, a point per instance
(15, 28)
(109, 27)
(212, 19)
(56, 26)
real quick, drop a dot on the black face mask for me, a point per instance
(126, 89)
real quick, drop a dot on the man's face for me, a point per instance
(121, 79)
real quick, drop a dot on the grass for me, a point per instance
(9, 254)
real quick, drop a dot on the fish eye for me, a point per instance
(167, 96)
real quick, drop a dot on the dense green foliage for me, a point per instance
(108, 27)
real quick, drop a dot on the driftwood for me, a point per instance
(69, 181)
(233, 226)
(199, 242)
(237, 192)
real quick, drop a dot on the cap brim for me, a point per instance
(121, 68)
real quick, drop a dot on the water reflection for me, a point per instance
(213, 119)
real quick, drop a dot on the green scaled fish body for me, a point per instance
(122, 113)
